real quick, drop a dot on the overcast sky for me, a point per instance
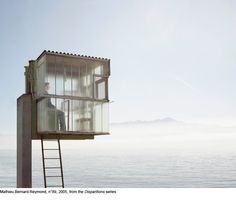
(169, 58)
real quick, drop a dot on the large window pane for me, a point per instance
(78, 77)
(60, 115)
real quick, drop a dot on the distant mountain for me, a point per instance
(172, 123)
(163, 120)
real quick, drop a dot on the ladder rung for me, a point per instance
(54, 185)
(50, 149)
(52, 176)
(51, 158)
(51, 167)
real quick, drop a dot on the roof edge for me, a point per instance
(48, 52)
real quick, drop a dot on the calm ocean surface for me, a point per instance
(154, 170)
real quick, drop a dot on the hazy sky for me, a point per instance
(169, 58)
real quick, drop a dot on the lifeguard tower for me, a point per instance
(66, 97)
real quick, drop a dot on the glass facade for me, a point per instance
(72, 94)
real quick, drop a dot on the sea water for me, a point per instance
(140, 156)
(131, 171)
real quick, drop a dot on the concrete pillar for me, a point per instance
(24, 144)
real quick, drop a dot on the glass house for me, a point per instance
(71, 93)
